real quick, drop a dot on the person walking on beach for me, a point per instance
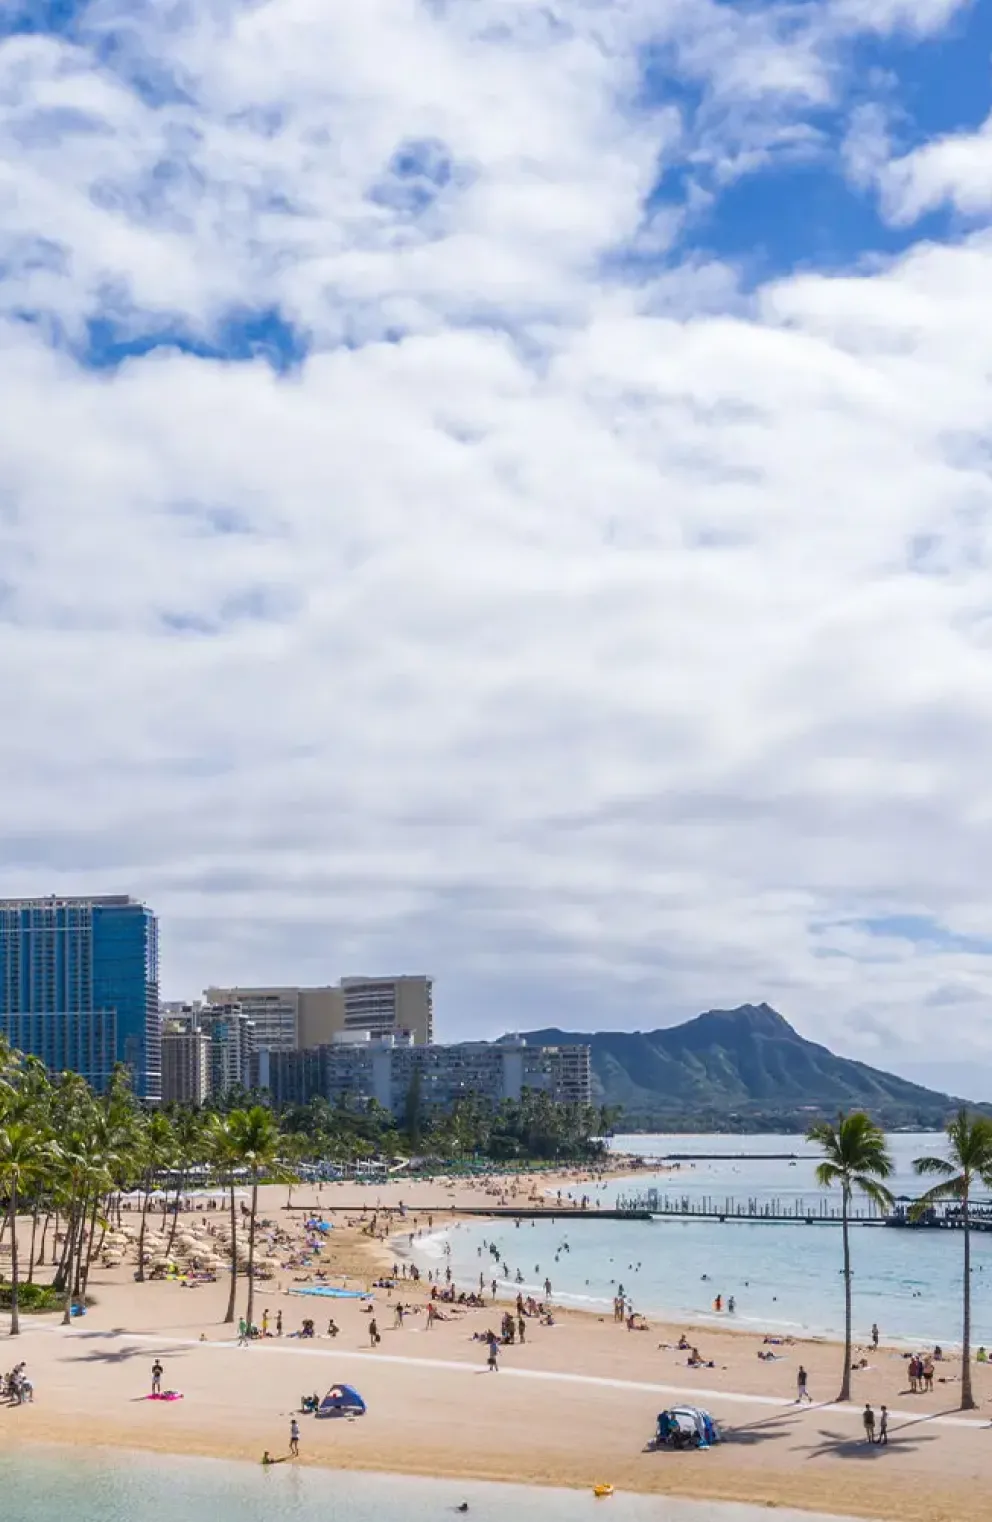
(294, 1438)
(874, 1338)
(883, 1426)
(157, 1372)
(373, 1333)
(242, 1332)
(493, 1361)
(868, 1417)
(278, 1323)
(801, 1391)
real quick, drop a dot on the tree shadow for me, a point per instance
(766, 1431)
(846, 1446)
(125, 1355)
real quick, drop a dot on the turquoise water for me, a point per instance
(51, 1485)
(784, 1278)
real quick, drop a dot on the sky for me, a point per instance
(504, 489)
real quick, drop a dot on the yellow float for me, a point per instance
(602, 1490)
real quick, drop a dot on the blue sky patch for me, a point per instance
(239, 337)
(921, 929)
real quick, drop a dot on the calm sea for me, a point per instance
(784, 1278)
(50, 1485)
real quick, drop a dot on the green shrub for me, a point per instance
(31, 1297)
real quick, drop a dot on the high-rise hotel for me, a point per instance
(79, 986)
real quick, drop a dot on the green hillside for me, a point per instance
(743, 1068)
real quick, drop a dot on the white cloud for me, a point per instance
(611, 647)
(921, 18)
(950, 171)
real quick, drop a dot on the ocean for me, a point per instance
(784, 1278)
(47, 1485)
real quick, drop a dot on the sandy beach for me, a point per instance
(575, 1405)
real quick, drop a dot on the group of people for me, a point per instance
(868, 1418)
(921, 1373)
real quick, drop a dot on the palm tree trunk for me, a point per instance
(63, 1276)
(85, 1278)
(251, 1252)
(15, 1319)
(968, 1401)
(34, 1235)
(141, 1234)
(845, 1384)
(175, 1219)
(63, 1271)
(44, 1237)
(234, 1260)
(77, 1286)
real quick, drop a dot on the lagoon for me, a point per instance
(48, 1485)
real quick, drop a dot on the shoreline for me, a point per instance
(704, 1323)
(576, 1404)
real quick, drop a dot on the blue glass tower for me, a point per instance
(79, 986)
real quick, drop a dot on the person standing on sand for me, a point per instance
(874, 1338)
(883, 1426)
(801, 1391)
(294, 1438)
(242, 1332)
(493, 1361)
(157, 1372)
(373, 1333)
(868, 1417)
(278, 1323)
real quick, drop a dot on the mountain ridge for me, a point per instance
(747, 1066)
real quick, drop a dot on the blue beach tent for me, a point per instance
(342, 1400)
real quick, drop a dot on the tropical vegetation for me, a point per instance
(71, 1160)
(968, 1163)
(856, 1159)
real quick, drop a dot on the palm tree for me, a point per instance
(255, 1143)
(23, 1158)
(857, 1158)
(969, 1161)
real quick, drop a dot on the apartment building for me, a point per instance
(384, 1069)
(230, 1042)
(296, 1018)
(79, 986)
(185, 1065)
